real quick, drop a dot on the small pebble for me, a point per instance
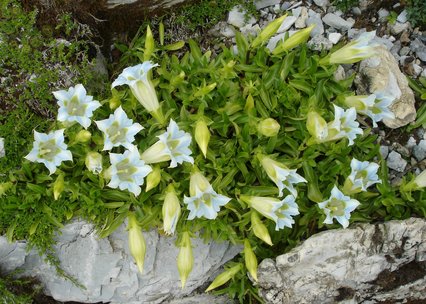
(419, 151)
(2, 152)
(396, 162)
(384, 151)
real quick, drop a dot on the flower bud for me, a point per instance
(317, 126)
(83, 136)
(250, 259)
(4, 187)
(268, 32)
(268, 127)
(149, 44)
(58, 186)
(420, 180)
(94, 162)
(137, 244)
(114, 102)
(202, 136)
(224, 277)
(249, 104)
(153, 178)
(171, 210)
(185, 259)
(296, 39)
(259, 229)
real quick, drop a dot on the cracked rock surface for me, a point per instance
(366, 263)
(107, 270)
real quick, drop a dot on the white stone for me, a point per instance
(252, 30)
(384, 151)
(417, 69)
(399, 27)
(222, 29)
(2, 151)
(319, 43)
(411, 143)
(396, 162)
(322, 3)
(334, 37)
(419, 48)
(365, 263)
(419, 151)
(296, 12)
(356, 11)
(315, 18)
(237, 17)
(383, 13)
(272, 43)
(108, 271)
(301, 21)
(265, 3)
(339, 74)
(337, 22)
(382, 74)
(287, 23)
(402, 17)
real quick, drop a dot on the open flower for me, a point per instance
(137, 78)
(363, 175)
(280, 211)
(283, 177)
(49, 149)
(354, 51)
(173, 145)
(203, 200)
(338, 206)
(127, 171)
(76, 106)
(344, 125)
(118, 130)
(375, 106)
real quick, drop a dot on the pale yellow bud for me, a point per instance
(185, 260)
(94, 162)
(149, 44)
(420, 180)
(114, 102)
(296, 39)
(202, 136)
(224, 277)
(153, 178)
(249, 103)
(83, 136)
(317, 126)
(58, 186)
(250, 259)
(268, 127)
(137, 244)
(259, 229)
(171, 210)
(268, 32)
(4, 187)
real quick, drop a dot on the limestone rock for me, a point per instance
(301, 20)
(287, 23)
(315, 18)
(366, 263)
(265, 3)
(108, 271)
(396, 162)
(2, 152)
(337, 22)
(237, 17)
(382, 74)
(145, 4)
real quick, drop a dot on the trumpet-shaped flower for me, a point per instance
(76, 106)
(280, 211)
(118, 130)
(338, 206)
(344, 125)
(137, 78)
(173, 145)
(49, 149)
(203, 200)
(127, 171)
(354, 51)
(363, 175)
(375, 106)
(93, 162)
(283, 177)
(171, 210)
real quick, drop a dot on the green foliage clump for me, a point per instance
(16, 291)
(345, 5)
(416, 12)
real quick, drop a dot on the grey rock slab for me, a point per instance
(399, 27)
(265, 3)
(337, 22)
(203, 299)
(383, 13)
(419, 151)
(301, 20)
(2, 151)
(222, 29)
(108, 271)
(315, 18)
(334, 37)
(296, 11)
(237, 17)
(252, 30)
(356, 11)
(339, 74)
(287, 24)
(322, 3)
(404, 51)
(384, 151)
(411, 143)
(319, 43)
(419, 48)
(382, 74)
(402, 17)
(359, 264)
(12, 255)
(396, 162)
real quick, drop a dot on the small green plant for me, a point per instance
(416, 12)
(16, 291)
(392, 17)
(345, 5)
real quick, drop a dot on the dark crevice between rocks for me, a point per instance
(345, 293)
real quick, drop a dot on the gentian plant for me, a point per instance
(257, 147)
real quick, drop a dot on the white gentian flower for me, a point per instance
(283, 177)
(118, 130)
(203, 200)
(173, 145)
(49, 149)
(137, 78)
(76, 106)
(354, 51)
(280, 211)
(375, 106)
(338, 206)
(128, 171)
(344, 125)
(363, 175)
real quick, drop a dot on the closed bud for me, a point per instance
(317, 126)
(224, 277)
(83, 136)
(185, 260)
(58, 186)
(202, 136)
(149, 44)
(250, 259)
(293, 41)
(268, 127)
(114, 102)
(137, 244)
(4, 187)
(171, 210)
(94, 162)
(268, 32)
(249, 104)
(153, 178)
(259, 229)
